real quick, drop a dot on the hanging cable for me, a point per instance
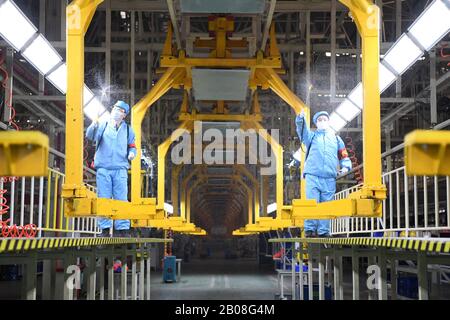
(168, 234)
(8, 95)
(352, 155)
(13, 231)
(3, 202)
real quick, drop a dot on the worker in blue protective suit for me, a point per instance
(115, 142)
(325, 150)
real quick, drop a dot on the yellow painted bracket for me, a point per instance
(427, 153)
(23, 153)
(162, 221)
(190, 229)
(356, 207)
(264, 224)
(242, 232)
(79, 14)
(113, 209)
(367, 19)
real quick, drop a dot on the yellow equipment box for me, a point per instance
(23, 153)
(427, 153)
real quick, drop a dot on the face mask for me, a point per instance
(322, 125)
(116, 115)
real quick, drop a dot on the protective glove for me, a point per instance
(95, 122)
(343, 171)
(131, 156)
(300, 117)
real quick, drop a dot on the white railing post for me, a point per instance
(436, 202)
(394, 219)
(406, 192)
(448, 200)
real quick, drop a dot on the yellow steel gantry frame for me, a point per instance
(253, 207)
(264, 69)
(366, 202)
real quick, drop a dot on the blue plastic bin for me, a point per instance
(170, 269)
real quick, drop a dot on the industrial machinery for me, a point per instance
(203, 77)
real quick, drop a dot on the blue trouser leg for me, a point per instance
(327, 191)
(104, 190)
(120, 192)
(312, 192)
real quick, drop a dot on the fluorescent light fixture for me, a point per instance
(336, 122)
(168, 207)
(42, 55)
(328, 54)
(94, 109)
(356, 96)
(17, 30)
(14, 25)
(59, 78)
(432, 24)
(347, 110)
(402, 54)
(386, 77)
(272, 207)
(87, 95)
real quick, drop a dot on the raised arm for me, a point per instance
(91, 131)
(303, 131)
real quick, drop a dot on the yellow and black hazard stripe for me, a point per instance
(26, 244)
(436, 245)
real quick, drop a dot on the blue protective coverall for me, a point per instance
(111, 163)
(325, 150)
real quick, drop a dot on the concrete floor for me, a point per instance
(214, 279)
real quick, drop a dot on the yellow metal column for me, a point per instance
(174, 189)
(265, 195)
(188, 198)
(278, 151)
(183, 203)
(79, 15)
(249, 195)
(367, 18)
(186, 126)
(303, 158)
(170, 78)
(246, 172)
